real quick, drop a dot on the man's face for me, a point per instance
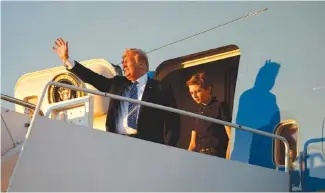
(199, 94)
(132, 69)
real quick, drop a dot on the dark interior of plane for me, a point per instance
(223, 74)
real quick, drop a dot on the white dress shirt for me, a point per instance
(122, 116)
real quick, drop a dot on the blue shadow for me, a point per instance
(151, 74)
(312, 183)
(257, 109)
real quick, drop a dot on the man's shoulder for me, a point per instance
(157, 84)
(154, 81)
(118, 81)
(120, 78)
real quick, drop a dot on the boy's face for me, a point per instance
(200, 95)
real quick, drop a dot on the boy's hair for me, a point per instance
(200, 79)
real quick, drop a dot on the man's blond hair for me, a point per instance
(138, 54)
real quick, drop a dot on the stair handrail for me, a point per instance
(20, 102)
(165, 108)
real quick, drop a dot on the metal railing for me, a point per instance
(161, 107)
(20, 102)
(61, 104)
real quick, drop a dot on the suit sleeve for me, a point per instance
(172, 120)
(88, 76)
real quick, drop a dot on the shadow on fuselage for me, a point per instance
(257, 109)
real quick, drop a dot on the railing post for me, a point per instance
(161, 107)
(19, 102)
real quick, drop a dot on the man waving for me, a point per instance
(123, 117)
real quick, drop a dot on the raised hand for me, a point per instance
(61, 49)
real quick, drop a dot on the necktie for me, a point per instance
(133, 108)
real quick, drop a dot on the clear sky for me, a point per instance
(94, 30)
(104, 29)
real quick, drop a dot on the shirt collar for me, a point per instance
(213, 99)
(142, 80)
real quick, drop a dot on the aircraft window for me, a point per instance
(288, 130)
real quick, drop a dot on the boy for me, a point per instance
(208, 137)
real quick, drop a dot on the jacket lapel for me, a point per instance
(146, 94)
(147, 90)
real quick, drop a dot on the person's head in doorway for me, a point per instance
(200, 88)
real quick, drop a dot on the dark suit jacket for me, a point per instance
(153, 124)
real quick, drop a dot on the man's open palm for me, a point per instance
(62, 49)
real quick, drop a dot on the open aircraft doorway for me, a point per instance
(220, 64)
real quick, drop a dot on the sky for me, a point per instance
(104, 29)
(94, 30)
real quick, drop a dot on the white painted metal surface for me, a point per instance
(6, 140)
(58, 156)
(79, 111)
(165, 108)
(13, 132)
(13, 129)
(31, 84)
(8, 162)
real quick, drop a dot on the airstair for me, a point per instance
(63, 152)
